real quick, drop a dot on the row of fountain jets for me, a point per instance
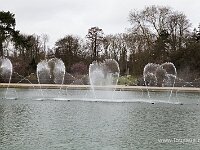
(100, 73)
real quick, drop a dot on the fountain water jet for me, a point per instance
(103, 79)
(104, 74)
(6, 70)
(51, 71)
(160, 75)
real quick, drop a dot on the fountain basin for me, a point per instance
(87, 87)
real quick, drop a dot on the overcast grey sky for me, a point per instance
(57, 18)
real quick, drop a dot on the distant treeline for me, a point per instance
(157, 35)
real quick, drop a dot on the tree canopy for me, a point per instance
(7, 28)
(158, 34)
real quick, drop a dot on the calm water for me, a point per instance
(27, 124)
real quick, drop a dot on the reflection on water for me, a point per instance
(49, 125)
(101, 95)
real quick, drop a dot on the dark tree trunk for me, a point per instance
(1, 49)
(95, 48)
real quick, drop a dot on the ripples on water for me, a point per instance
(79, 125)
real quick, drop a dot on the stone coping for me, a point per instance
(86, 87)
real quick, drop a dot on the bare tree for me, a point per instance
(118, 49)
(45, 39)
(150, 23)
(96, 36)
(178, 28)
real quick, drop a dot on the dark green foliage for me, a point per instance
(7, 28)
(68, 49)
(161, 48)
(79, 69)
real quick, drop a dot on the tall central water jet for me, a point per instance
(104, 73)
(51, 71)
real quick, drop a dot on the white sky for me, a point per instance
(58, 18)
